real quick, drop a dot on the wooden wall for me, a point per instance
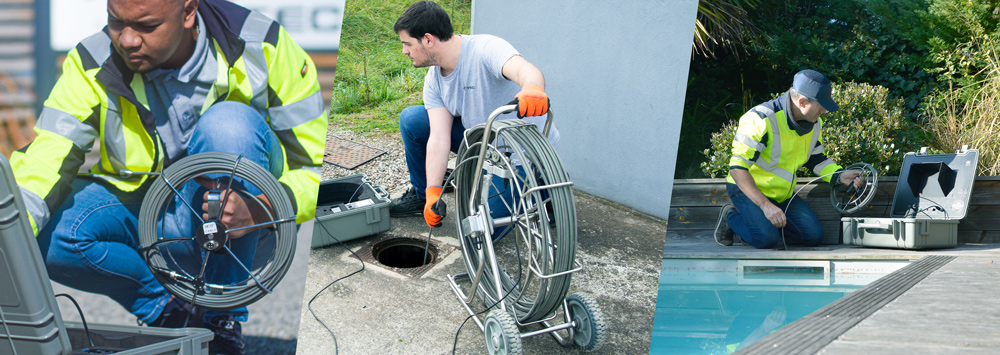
(696, 203)
(17, 64)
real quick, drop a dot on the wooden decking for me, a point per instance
(695, 206)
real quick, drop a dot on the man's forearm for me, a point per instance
(437, 161)
(747, 184)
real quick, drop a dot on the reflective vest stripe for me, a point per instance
(755, 145)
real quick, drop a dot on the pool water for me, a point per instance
(716, 306)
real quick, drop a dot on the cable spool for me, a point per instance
(536, 237)
(848, 199)
(169, 257)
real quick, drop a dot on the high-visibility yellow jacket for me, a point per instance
(99, 98)
(769, 147)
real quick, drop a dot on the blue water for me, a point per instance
(716, 306)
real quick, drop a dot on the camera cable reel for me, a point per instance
(520, 265)
(849, 199)
(182, 263)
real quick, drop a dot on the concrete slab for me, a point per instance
(380, 311)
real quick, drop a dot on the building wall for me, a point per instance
(616, 74)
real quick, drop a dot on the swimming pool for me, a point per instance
(716, 306)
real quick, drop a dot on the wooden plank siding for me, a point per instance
(695, 205)
(17, 65)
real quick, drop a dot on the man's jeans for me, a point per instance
(92, 243)
(749, 222)
(414, 126)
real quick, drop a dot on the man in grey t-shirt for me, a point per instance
(469, 77)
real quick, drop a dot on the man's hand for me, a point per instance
(532, 101)
(773, 214)
(848, 176)
(237, 212)
(431, 215)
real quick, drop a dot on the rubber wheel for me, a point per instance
(590, 329)
(502, 336)
(520, 168)
(181, 265)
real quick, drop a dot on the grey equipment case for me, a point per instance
(349, 208)
(30, 322)
(932, 195)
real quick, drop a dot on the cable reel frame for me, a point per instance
(848, 199)
(211, 241)
(542, 228)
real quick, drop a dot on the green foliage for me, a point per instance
(870, 127)
(849, 41)
(958, 33)
(969, 115)
(375, 81)
(863, 41)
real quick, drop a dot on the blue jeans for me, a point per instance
(92, 243)
(749, 222)
(414, 126)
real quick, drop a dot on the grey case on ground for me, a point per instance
(932, 195)
(349, 208)
(30, 322)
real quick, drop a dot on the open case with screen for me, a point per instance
(932, 195)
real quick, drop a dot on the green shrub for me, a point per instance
(968, 115)
(870, 127)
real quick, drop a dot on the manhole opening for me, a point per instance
(404, 253)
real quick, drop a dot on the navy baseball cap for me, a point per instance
(816, 86)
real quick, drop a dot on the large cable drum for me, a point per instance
(532, 221)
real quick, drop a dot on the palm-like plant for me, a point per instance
(724, 23)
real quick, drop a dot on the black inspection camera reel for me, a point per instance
(169, 257)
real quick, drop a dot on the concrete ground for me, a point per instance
(381, 311)
(271, 329)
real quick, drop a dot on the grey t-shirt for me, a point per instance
(477, 86)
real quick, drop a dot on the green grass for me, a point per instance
(375, 81)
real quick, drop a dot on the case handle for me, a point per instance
(892, 227)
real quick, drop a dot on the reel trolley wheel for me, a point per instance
(516, 220)
(848, 199)
(195, 259)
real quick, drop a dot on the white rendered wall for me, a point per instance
(616, 73)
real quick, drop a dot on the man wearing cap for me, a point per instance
(773, 140)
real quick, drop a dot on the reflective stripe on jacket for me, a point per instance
(98, 98)
(769, 148)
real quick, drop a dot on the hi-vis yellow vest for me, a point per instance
(98, 98)
(770, 149)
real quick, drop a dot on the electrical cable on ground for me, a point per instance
(309, 305)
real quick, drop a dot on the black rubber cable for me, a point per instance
(309, 305)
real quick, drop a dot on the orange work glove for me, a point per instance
(434, 209)
(532, 101)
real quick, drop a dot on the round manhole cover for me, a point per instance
(404, 253)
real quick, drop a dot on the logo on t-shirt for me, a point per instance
(470, 87)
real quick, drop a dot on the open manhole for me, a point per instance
(405, 254)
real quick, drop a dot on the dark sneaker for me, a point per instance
(408, 204)
(176, 314)
(724, 234)
(228, 336)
